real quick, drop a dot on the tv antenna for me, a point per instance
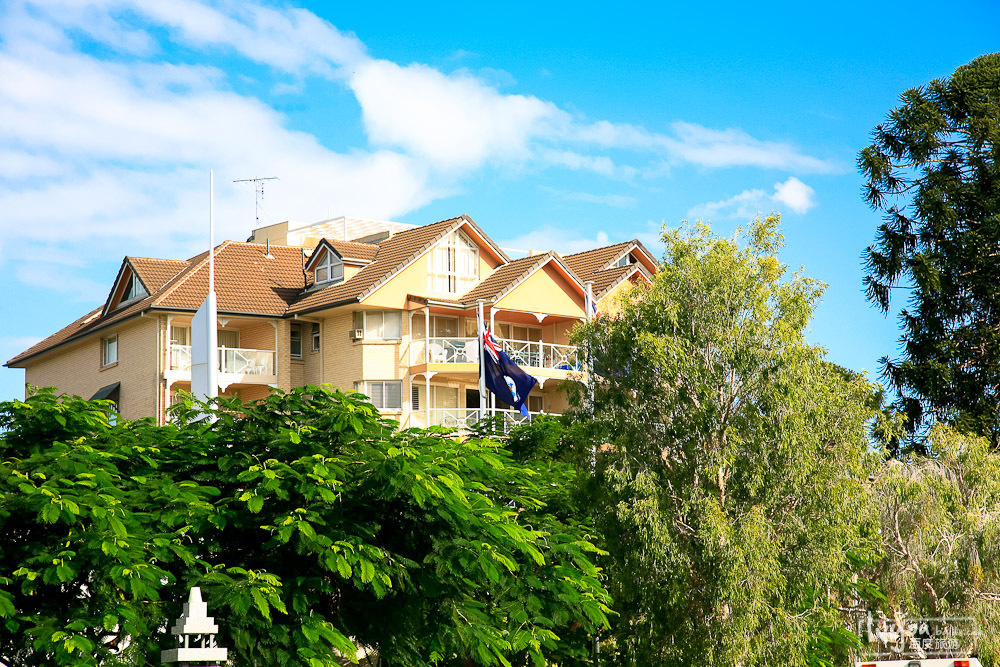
(258, 186)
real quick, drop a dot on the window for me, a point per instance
(295, 342)
(384, 395)
(230, 339)
(454, 265)
(624, 261)
(414, 397)
(329, 269)
(315, 336)
(516, 332)
(180, 335)
(133, 289)
(380, 324)
(109, 350)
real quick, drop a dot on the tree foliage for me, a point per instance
(933, 170)
(941, 535)
(311, 524)
(730, 483)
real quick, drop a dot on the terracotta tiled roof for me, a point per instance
(155, 273)
(246, 281)
(590, 265)
(508, 276)
(351, 250)
(587, 262)
(608, 279)
(504, 278)
(394, 254)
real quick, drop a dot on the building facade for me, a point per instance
(384, 308)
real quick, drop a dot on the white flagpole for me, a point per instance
(204, 325)
(481, 327)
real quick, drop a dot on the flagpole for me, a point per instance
(204, 324)
(480, 327)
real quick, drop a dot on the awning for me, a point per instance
(105, 392)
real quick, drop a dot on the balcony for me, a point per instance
(235, 365)
(526, 354)
(464, 418)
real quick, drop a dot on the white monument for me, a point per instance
(195, 631)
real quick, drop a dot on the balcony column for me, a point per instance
(427, 397)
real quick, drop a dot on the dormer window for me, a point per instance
(329, 269)
(133, 289)
(624, 261)
(454, 265)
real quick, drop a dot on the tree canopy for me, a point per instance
(731, 474)
(312, 525)
(933, 170)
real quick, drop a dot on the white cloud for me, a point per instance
(456, 121)
(792, 193)
(113, 150)
(735, 148)
(617, 201)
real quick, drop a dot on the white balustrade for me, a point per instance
(241, 361)
(524, 353)
(464, 418)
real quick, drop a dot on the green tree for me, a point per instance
(311, 523)
(941, 535)
(933, 170)
(731, 463)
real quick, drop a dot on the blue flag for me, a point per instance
(503, 377)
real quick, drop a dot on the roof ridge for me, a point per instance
(165, 293)
(446, 229)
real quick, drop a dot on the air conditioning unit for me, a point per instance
(358, 334)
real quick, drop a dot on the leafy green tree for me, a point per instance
(731, 463)
(933, 169)
(311, 523)
(941, 535)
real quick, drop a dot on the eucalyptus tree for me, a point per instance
(732, 462)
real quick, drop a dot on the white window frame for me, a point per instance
(109, 348)
(329, 269)
(453, 265)
(366, 387)
(295, 334)
(315, 336)
(373, 322)
(624, 260)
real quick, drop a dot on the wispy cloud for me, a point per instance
(111, 145)
(792, 194)
(617, 201)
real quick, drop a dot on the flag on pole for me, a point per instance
(502, 376)
(595, 311)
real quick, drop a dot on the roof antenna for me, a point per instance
(258, 186)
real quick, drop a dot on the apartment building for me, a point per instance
(384, 308)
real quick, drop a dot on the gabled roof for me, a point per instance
(348, 251)
(596, 265)
(509, 276)
(246, 282)
(394, 254)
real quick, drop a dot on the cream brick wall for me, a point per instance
(257, 336)
(342, 357)
(77, 369)
(283, 358)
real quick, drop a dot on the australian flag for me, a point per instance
(503, 377)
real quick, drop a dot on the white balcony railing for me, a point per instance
(525, 353)
(534, 354)
(464, 418)
(241, 361)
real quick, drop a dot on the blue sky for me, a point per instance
(554, 125)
